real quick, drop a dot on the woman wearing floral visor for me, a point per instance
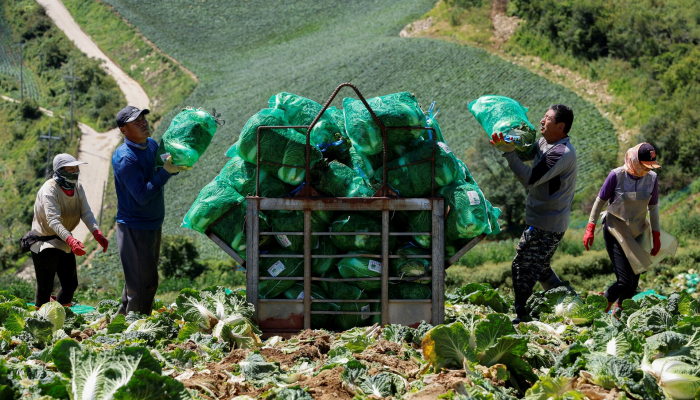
(631, 240)
(59, 207)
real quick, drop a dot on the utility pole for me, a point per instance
(72, 79)
(48, 150)
(21, 75)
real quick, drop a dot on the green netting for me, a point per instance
(321, 266)
(187, 137)
(361, 267)
(347, 321)
(358, 223)
(301, 111)
(415, 180)
(281, 146)
(338, 180)
(468, 215)
(419, 221)
(232, 229)
(241, 175)
(410, 267)
(278, 266)
(293, 221)
(365, 165)
(409, 290)
(213, 201)
(494, 213)
(505, 115)
(296, 291)
(394, 110)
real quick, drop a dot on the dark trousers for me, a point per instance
(139, 251)
(627, 280)
(47, 264)
(532, 264)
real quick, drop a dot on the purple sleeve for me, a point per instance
(655, 193)
(607, 192)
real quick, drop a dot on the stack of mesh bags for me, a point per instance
(346, 161)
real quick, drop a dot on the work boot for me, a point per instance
(552, 282)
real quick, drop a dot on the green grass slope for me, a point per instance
(245, 52)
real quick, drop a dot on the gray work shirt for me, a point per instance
(550, 183)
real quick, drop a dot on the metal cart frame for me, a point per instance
(283, 316)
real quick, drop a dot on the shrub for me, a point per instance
(178, 257)
(29, 109)
(18, 287)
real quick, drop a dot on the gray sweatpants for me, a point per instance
(139, 251)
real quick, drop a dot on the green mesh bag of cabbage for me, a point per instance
(393, 110)
(187, 137)
(342, 291)
(215, 199)
(358, 223)
(301, 111)
(293, 221)
(406, 267)
(469, 212)
(361, 267)
(278, 267)
(296, 291)
(505, 115)
(409, 290)
(338, 180)
(415, 180)
(280, 146)
(240, 174)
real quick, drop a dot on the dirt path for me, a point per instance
(95, 148)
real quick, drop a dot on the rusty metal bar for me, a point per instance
(385, 267)
(345, 233)
(307, 269)
(227, 249)
(252, 251)
(345, 279)
(438, 266)
(281, 278)
(464, 250)
(345, 204)
(346, 301)
(347, 312)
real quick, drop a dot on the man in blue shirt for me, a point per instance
(140, 208)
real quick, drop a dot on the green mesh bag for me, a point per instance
(494, 213)
(215, 199)
(293, 221)
(365, 165)
(505, 115)
(410, 267)
(415, 180)
(420, 221)
(318, 321)
(468, 215)
(281, 146)
(336, 179)
(409, 290)
(232, 229)
(393, 110)
(187, 137)
(321, 266)
(241, 175)
(278, 266)
(344, 322)
(358, 223)
(301, 111)
(361, 267)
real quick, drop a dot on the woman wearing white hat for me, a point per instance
(59, 207)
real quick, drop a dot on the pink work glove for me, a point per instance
(75, 245)
(101, 239)
(588, 236)
(657, 242)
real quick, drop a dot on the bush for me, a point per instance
(29, 109)
(18, 287)
(178, 257)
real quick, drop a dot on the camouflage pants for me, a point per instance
(532, 264)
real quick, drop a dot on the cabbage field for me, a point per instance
(204, 346)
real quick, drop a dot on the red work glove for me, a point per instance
(588, 236)
(76, 246)
(657, 242)
(101, 239)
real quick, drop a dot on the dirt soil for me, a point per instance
(388, 354)
(327, 385)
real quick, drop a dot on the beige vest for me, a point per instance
(56, 213)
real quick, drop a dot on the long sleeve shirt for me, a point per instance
(139, 186)
(56, 213)
(550, 183)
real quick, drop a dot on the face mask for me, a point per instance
(68, 176)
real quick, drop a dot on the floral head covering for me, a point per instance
(632, 164)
